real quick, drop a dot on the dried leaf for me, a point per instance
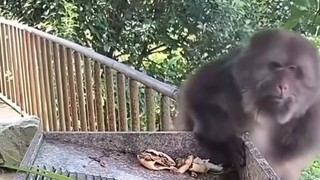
(186, 165)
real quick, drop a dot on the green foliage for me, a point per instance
(38, 171)
(166, 39)
(267, 14)
(312, 173)
(304, 16)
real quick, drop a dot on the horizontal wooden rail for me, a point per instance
(155, 84)
(73, 88)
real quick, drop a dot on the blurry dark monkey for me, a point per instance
(269, 87)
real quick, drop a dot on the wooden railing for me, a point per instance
(72, 88)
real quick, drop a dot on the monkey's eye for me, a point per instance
(292, 67)
(274, 65)
(296, 70)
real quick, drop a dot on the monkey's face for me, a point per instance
(278, 78)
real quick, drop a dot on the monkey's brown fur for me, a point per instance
(270, 88)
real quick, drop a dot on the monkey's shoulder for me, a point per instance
(211, 82)
(212, 77)
(215, 75)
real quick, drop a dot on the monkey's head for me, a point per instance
(278, 75)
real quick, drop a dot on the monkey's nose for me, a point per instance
(282, 88)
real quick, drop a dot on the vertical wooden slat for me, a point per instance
(21, 70)
(6, 61)
(106, 114)
(110, 98)
(31, 74)
(44, 115)
(98, 96)
(65, 96)
(35, 75)
(151, 116)
(91, 117)
(134, 102)
(165, 113)
(1, 65)
(106, 102)
(2, 62)
(27, 72)
(24, 71)
(57, 68)
(74, 114)
(83, 121)
(45, 78)
(16, 66)
(14, 75)
(122, 102)
(51, 89)
(10, 63)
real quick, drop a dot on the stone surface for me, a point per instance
(7, 114)
(15, 138)
(71, 151)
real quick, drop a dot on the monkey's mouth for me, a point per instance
(276, 98)
(273, 101)
(279, 98)
(273, 105)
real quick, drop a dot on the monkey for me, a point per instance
(268, 87)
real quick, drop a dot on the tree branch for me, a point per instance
(154, 48)
(159, 50)
(143, 54)
(119, 55)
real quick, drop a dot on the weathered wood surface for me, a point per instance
(72, 88)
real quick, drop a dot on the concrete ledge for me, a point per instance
(15, 138)
(71, 151)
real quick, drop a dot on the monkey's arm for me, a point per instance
(203, 109)
(206, 112)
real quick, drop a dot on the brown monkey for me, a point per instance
(269, 87)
